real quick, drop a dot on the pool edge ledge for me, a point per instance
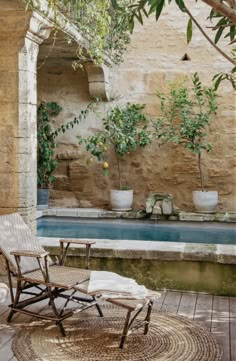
(203, 271)
(182, 216)
(219, 253)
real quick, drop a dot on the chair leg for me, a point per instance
(9, 280)
(147, 318)
(16, 299)
(52, 304)
(98, 308)
(10, 315)
(125, 330)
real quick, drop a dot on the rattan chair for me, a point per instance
(41, 278)
(38, 276)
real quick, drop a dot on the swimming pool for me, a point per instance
(136, 230)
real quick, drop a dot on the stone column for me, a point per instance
(14, 22)
(39, 30)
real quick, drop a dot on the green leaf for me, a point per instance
(138, 16)
(180, 4)
(232, 32)
(233, 82)
(218, 35)
(218, 81)
(189, 31)
(145, 12)
(159, 8)
(211, 14)
(131, 24)
(106, 172)
(153, 5)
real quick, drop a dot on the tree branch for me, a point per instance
(223, 9)
(209, 39)
(219, 26)
(231, 3)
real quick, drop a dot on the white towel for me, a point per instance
(4, 290)
(111, 285)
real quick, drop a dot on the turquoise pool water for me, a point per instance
(136, 230)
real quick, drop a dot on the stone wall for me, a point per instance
(14, 22)
(153, 58)
(21, 33)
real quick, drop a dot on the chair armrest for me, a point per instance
(77, 241)
(63, 252)
(35, 254)
(26, 253)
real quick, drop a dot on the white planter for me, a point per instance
(205, 202)
(121, 200)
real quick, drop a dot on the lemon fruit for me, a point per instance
(89, 161)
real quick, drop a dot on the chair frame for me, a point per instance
(46, 289)
(40, 278)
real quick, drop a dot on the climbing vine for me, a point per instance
(106, 29)
(46, 136)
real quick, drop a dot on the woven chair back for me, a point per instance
(15, 235)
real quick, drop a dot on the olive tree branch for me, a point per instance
(220, 7)
(209, 39)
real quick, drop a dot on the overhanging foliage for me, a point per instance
(106, 29)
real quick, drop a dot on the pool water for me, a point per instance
(144, 230)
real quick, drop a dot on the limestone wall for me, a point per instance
(153, 57)
(14, 22)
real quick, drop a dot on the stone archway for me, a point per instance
(39, 30)
(21, 33)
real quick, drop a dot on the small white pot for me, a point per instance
(205, 202)
(121, 200)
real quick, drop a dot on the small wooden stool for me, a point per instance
(133, 306)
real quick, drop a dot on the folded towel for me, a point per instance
(111, 285)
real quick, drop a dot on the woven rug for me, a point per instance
(91, 338)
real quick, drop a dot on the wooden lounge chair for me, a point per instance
(35, 270)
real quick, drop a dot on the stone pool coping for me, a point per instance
(155, 250)
(174, 251)
(227, 217)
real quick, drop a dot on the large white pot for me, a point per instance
(205, 202)
(121, 200)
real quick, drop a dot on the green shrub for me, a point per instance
(124, 130)
(186, 115)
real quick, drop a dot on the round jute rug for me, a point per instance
(92, 338)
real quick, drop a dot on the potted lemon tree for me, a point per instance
(185, 119)
(124, 131)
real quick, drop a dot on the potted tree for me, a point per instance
(46, 162)
(46, 136)
(185, 120)
(124, 131)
